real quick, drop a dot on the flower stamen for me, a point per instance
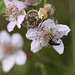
(11, 12)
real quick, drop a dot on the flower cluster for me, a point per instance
(41, 29)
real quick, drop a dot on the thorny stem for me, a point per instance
(53, 62)
(45, 2)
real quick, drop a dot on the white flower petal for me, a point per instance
(20, 57)
(17, 41)
(7, 2)
(1, 52)
(20, 18)
(62, 29)
(8, 63)
(36, 46)
(32, 34)
(11, 26)
(59, 48)
(4, 37)
(47, 24)
(19, 4)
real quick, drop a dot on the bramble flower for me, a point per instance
(48, 35)
(12, 14)
(11, 52)
(32, 19)
(32, 2)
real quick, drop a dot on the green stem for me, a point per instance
(15, 70)
(45, 2)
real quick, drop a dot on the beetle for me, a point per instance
(53, 43)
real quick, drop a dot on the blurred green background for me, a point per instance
(47, 61)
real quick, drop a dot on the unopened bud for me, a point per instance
(50, 9)
(43, 13)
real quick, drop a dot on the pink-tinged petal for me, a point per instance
(59, 48)
(8, 63)
(17, 40)
(32, 2)
(11, 26)
(47, 24)
(4, 37)
(36, 46)
(20, 57)
(62, 29)
(27, 3)
(19, 4)
(7, 2)
(20, 19)
(32, 34)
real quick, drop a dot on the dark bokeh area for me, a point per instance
(47, 61)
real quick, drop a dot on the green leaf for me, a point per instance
(2, 7)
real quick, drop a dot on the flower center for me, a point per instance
(11, 12)
(47, 36)
(8, 49)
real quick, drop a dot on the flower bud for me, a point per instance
(50, 9)
(43, 13)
